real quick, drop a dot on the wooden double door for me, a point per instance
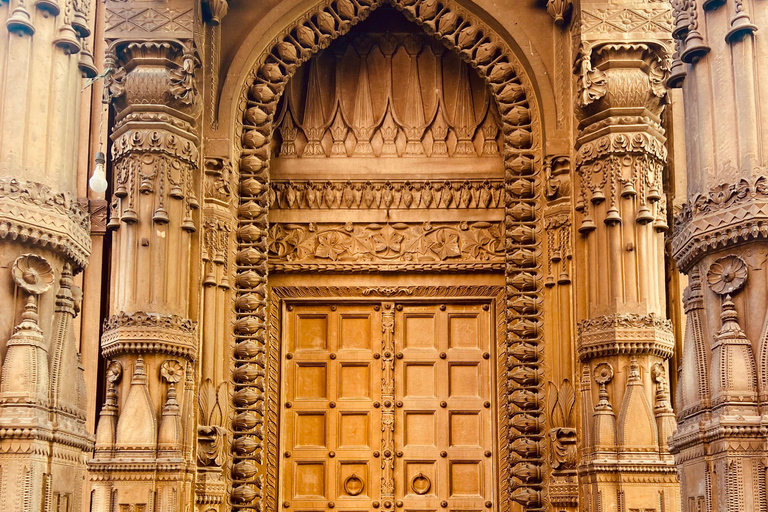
(387, 406)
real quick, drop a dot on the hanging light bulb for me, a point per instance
(98, 181)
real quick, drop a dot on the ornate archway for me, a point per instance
(487, 52)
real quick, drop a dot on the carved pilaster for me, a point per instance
(621, 219)
(719, 242)
(154, 221)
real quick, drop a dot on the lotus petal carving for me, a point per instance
(171, 371)
(727, 275)
(33, 273)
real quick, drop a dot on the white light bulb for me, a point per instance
(98, 181)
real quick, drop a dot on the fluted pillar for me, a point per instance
(44, 242)
(144, 458)
(720, 241)
(624, 339)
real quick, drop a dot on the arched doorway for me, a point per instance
(392, 153)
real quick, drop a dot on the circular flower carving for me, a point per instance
(727, 275)
(603, 373)
(33, 273)
(172, 371)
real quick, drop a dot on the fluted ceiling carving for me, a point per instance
(392, 93)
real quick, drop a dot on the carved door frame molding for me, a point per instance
(491, 55)
(303, 294)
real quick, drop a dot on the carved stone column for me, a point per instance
(144, 456)
(720, 234)
(624, 339)
(44, 240)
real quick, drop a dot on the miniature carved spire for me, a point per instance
(169, 437)
(604, 420)
(65, 369)
(662, 409)
(637, 425)
(25, 375)
(693, 387)
(137, 426)
(733, 371)
(587, 408)
(106, 428)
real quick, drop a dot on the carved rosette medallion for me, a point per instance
(727, 275)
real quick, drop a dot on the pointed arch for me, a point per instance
(486, 51)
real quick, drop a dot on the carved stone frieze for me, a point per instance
(728, 215)
(123, 20)
(34, 213)
(149, 332)
(621, 143)
(155, 140)
(388, 194)
(375, 244)
(651, 19)
(625, 333)
(305, 292)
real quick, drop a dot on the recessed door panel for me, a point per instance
(330, 425)
(444, 423)
(387, 407)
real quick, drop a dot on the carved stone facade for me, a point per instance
(719, 242)
(45, 237)
(383, 255)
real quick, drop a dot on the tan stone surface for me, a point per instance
(383, 255)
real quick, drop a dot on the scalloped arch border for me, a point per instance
(497, 64)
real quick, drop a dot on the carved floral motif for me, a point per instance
(171, 371)
(727, 275)
(653, 19)
(559, 9)
(562, 434)
(182, 80)
(624, 321)
(32, 273)
(150, 320)
(351, 242)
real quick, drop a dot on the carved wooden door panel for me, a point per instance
(443, 424)
(330, 423)
(387, 407)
